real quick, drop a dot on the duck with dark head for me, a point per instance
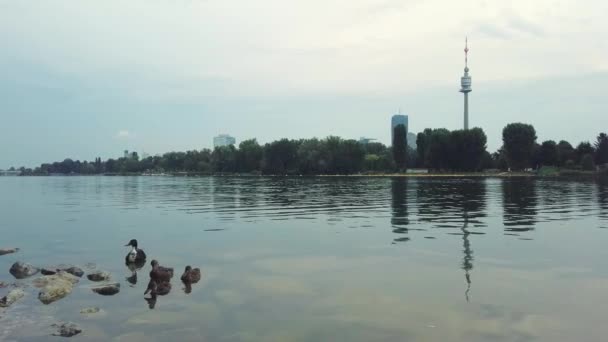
(136, 256)
(190, 276)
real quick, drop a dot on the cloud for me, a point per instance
(493, 31)
(520, 24)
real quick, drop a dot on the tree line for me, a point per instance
(438, 150)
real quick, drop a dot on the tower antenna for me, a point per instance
(466, 51)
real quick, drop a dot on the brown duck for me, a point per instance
(191, 275)
(158, 288)
(160, 273)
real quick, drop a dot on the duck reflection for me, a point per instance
(399, 217)
(133, 268)
(519, 204)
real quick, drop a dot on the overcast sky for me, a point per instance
(82, 79)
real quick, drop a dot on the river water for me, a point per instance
(317, 259)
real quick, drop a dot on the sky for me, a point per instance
(88, 78)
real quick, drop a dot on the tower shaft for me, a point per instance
(466, 111)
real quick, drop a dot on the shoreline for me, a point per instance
(564, 174)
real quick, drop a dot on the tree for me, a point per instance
(280, 157)
(601, 149)
(587, 162)
(437, 154)
(565, 152)
(549, 155)
(466, 149)
(223, 159)
(249, 156)
(421, 145)
(400, 147)
(583, 149)
(518, 142)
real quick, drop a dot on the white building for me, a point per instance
(223, 140)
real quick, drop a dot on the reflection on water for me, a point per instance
(519, 204)
(310, 259)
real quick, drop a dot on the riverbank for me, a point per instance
(413, 173)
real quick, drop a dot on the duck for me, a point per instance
(136, 255)
(160, 273)
(191, 275)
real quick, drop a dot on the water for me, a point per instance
(318, 259)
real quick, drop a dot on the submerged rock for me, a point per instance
(48, 271)
(88, 311)
(4, 251)
(98, 276)
(107, 289)
(22, 270)
(74, 271)
(55, 287)
(11, 298)
(68, 329)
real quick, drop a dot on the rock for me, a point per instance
(4, 251)
(98, 276)
(74, 271)
(67, 329)
(11, 297)
(55, 287)
(58, 277)
(48, 271)
(22, 270)
(107, 289)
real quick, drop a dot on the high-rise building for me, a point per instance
(399, 119)
(223, 140)
(465, 84)
(411, 140)
(126, 154)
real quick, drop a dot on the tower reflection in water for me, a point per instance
(457, 206)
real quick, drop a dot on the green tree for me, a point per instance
(249, 156)
(518, 141)
(549, 154)
(400, 147)
(280, 157)
(223, 159)
(601, 149)
(421, 145)
(466, 149)
(583, 149)
(565, 152)
(437, 154)
(587, 162)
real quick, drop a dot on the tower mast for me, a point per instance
(465, 84)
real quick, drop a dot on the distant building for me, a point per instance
(398, 119)
(126, 154)
(411, 140)
(365, 141)
(223, 140)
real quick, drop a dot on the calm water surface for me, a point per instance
(318, 259)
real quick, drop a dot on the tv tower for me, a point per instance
(465, 84)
